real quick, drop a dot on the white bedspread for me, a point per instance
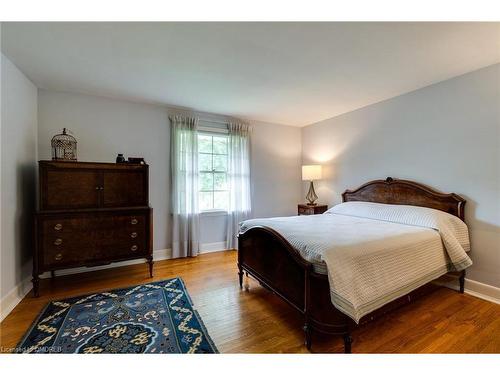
(375, 253)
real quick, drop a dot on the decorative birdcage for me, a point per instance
(63, 147)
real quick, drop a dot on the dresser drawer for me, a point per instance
(92, 238)
(68, 224)
(304, 209)
(64, 256)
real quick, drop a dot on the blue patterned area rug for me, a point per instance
(151, 318)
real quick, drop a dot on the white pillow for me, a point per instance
(410, 215)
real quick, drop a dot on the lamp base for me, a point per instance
(311, 195)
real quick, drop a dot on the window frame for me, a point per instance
(212, 132)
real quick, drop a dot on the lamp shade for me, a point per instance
(311, 172)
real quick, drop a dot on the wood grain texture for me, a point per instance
(80, 185)
(395, 191)
(91, 214)
(256, 321)
(305, 209)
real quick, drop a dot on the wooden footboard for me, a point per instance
(269, 258)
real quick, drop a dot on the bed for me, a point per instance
(346, 267)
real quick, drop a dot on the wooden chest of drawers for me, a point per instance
(91, 214)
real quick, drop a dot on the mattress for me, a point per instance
(374, 253)
(312, 235)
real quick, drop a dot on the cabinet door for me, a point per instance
(67, 188)
(125, 188)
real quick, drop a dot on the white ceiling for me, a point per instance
(288, 73)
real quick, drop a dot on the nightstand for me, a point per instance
(305, 209)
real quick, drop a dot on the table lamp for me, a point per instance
(311, 173)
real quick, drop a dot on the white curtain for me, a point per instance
(184, 177)
(238, 181)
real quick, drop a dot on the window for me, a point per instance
(212, 167)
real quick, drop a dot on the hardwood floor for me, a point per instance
(256, 321)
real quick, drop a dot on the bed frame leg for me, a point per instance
(307, 333)
(347, 343)
(240, 275)
(461, 280)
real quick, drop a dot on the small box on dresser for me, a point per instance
(91, 214)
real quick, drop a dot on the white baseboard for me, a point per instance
(15, 296)
(212, 247)
(10, 301)
(473, 288)
(483, 291)
(160, 254)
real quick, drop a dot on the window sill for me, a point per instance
(213, 213)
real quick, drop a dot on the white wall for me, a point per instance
(276, 170)
(18, 181)
(445, 135)
(104, 127)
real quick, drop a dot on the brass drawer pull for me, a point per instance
(58, 256)
(133, 248)
(133, 234)
(134, 221)
(58, 241)
(58, 226)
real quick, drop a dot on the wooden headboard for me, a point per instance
(393, 191)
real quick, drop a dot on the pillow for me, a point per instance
(448, 225)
